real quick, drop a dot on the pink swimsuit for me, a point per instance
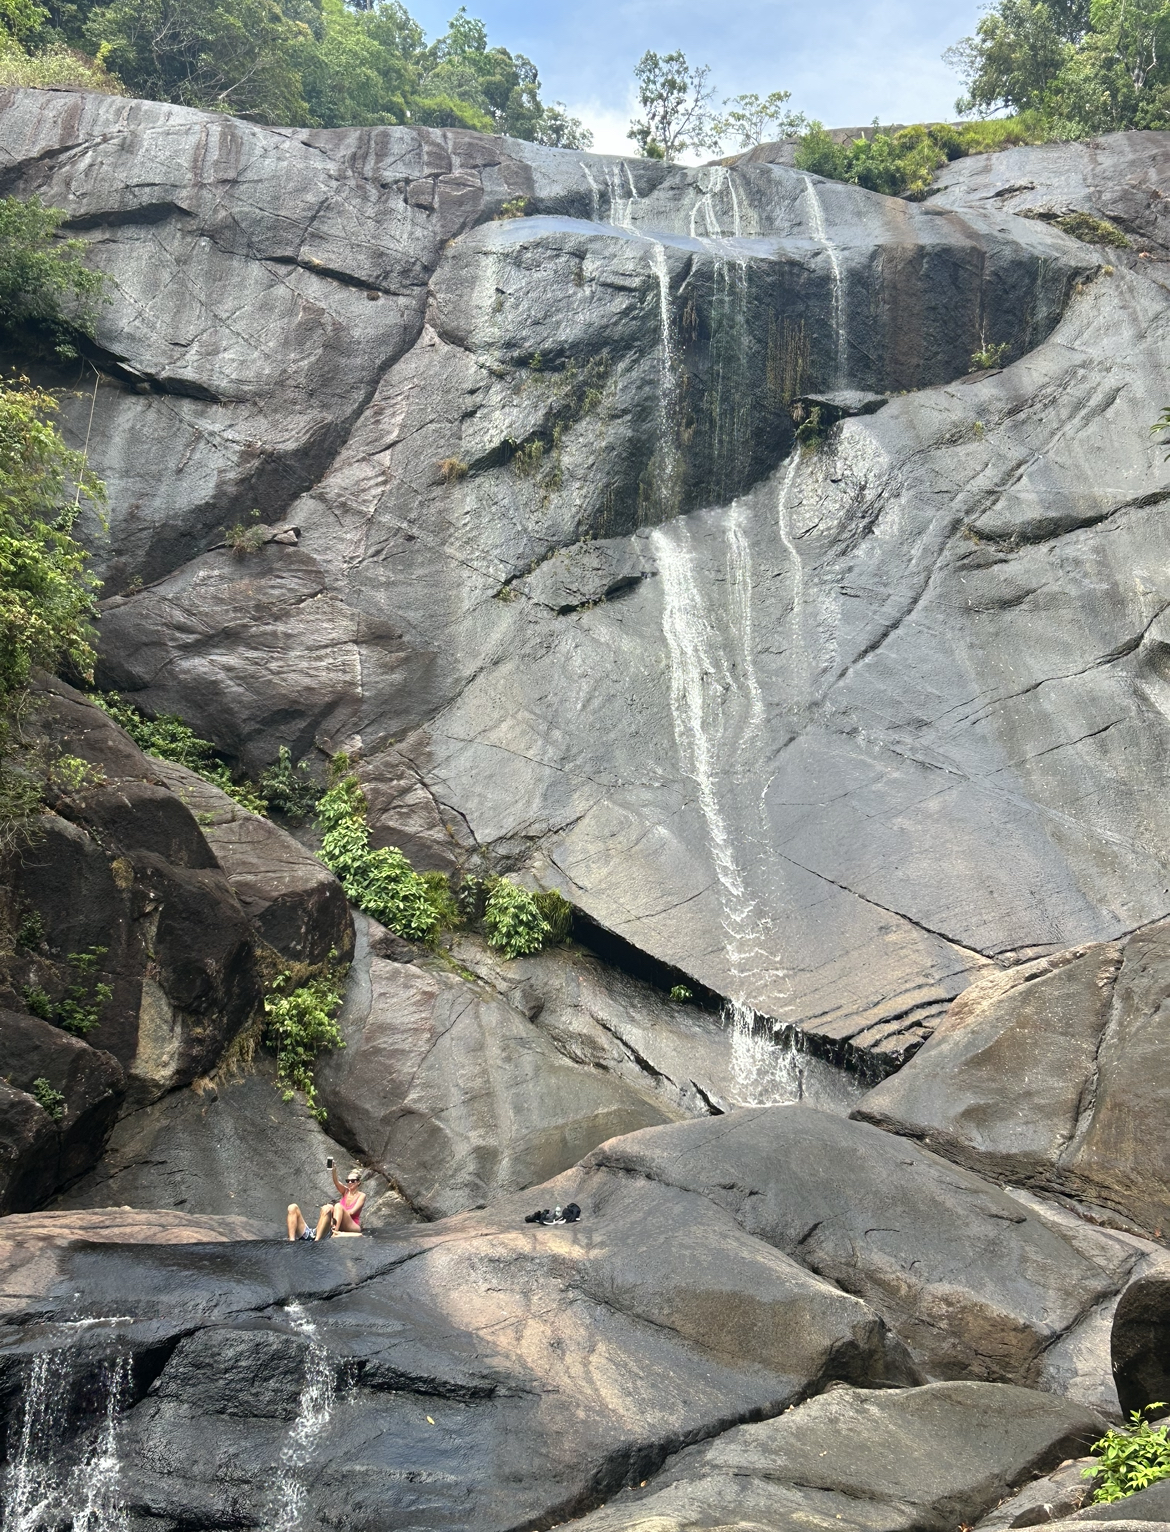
(357, 1217)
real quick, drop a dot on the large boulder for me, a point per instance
(1054, 1075)
(921, 1460)
(525, 386)
(87, 1087)
(978, 1285)
(457, 1096)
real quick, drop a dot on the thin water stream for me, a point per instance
(836, 291)
(43, 1490)
(314, 1412)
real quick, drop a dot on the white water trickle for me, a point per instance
(767, 1065)
(836, 306)
(703, 689)
(40, 1491)
(739, 568)
(782, 521)
(98, 1492)
(594, 192)
(314, 1411)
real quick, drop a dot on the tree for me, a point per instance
(47, 297)
(557, 130)
(241, 56)
(46, 592)
(754, 119)
(1086, 67)
(676, 103)
(1017, 52)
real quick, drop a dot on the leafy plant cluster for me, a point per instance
(50, 1100)
(903, 164)
(419, 906)
(80, 1007)
(1129, 1460)
(301, 63)
(299, 1023)
(1083, 66)
(47, 594)
(168, 738)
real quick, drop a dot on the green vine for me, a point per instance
(300, 1022)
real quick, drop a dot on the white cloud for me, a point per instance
(608, 125)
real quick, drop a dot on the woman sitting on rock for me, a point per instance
(342, 1217)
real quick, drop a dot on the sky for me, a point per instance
(845, 61)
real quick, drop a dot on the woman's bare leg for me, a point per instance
(342, 1222)
(296, 1222)
(325, 1220)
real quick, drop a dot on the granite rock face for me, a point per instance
(1054, 1075)
(880, 687)
(924, 1458)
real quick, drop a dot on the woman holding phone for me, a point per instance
(341, 1217)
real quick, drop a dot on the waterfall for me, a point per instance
(704, 686)
(314, 1411)
(767, 1063)
(620, 205)
(594, 192)
(784, 525)
(41, 1492)
(836, 307)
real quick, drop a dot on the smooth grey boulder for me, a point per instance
(1120, 178)
(28, 1151)
(231, 1145)
(975, 1283)
(1054, 1075)
(1050, 1498)
(457, 1096)
(916, 1460)
(1150, 1504)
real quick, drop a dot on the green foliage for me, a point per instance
(312, 63)
(51, 1100)
(512, 919)
(299, 1024)
(170, 739)
(46, 590)
(1130, 1460)
(54, 67)
(39, 1002)
(380, 882)
(904, 164)
(47, 295)
(676, 106)
(30, 933)
(290, 788)
(557, 914)
(1092, 231)
(516, 208)
(1162, 424)
(80, 1007)
(681, 993)
(246, 536)
(809, 429)
(753, 119)
(527, 459)
(989, 355)
(1086, 67)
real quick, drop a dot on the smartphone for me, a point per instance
(329, 1163)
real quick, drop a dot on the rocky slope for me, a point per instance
(870, 721)
(836, 728)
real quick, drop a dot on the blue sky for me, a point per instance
(845, 61)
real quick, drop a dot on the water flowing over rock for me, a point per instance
(880, 809)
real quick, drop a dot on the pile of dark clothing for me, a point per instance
(568, 1214)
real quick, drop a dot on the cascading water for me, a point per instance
(314, 1411)
(836, 294)
(42, 1491)
(704, 687)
